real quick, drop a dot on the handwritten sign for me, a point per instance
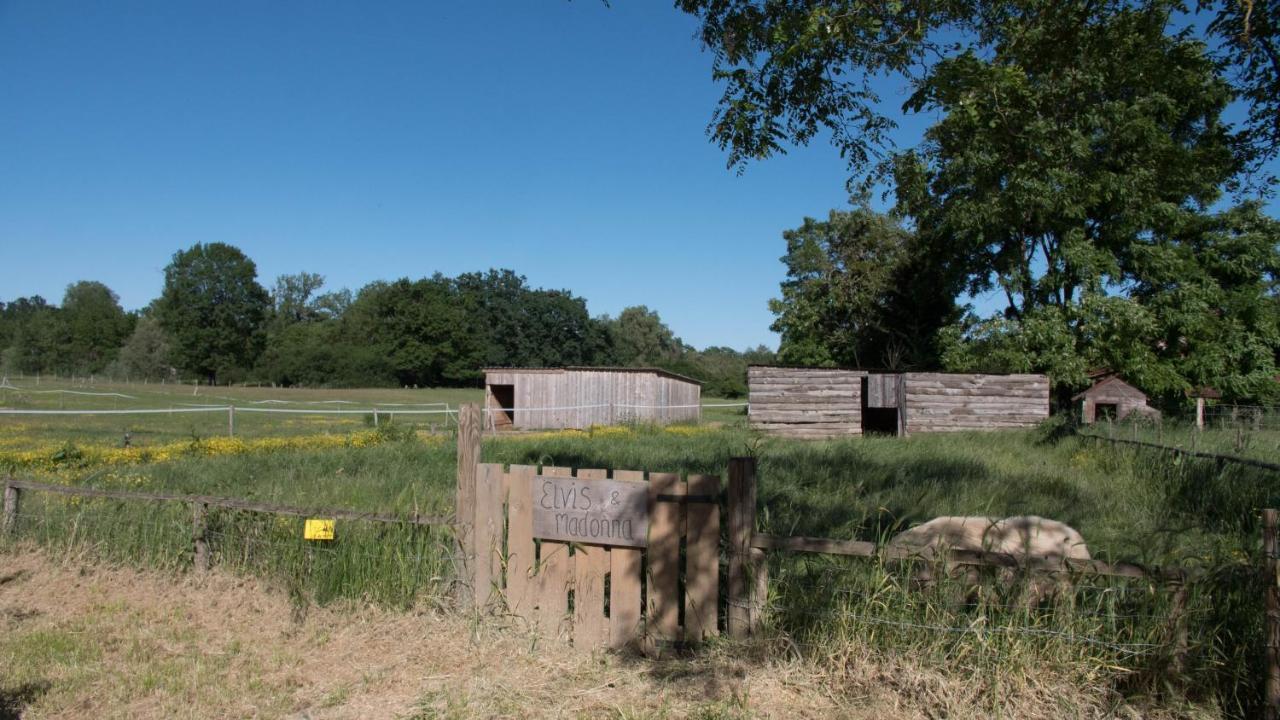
(599, 512)
(315, 529)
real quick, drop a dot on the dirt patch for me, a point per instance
(85, 640)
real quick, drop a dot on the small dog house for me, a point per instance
(1113, 398)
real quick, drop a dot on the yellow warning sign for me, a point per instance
(317, 529)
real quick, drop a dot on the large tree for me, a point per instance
(214, 311)
(1057, 163)
(293, 299)
(861, 291)
(1062, 150)
(795, 70)
(523, 326)
(639, 338)
(38, 339)
(96, 325)
(416, 332)
(1213, 283)
(145, 354)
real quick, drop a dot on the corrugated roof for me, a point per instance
(598, 368)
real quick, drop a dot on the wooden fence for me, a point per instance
(591, 592)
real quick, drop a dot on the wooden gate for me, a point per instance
(594, 579)
(598, 593)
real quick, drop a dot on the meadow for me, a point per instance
(195, 411)
(1131, 504)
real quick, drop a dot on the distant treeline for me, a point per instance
(215, 322)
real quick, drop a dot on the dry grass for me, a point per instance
(84, 640)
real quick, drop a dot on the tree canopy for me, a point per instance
(1076, 169)
(214, 310)
(794, 71)
(214, 321)
(861, 291)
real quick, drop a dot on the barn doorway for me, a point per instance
(879, 405)
(502, 406)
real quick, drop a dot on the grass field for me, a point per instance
(1131, 505)
(86, 640)
(328, 411)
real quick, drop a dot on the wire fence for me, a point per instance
(433, 417)
(392, 560)
(1252, 417)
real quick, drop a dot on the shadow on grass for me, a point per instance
(13, 700)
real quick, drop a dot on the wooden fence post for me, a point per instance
(11, 502)
(231, 421)
(469, 426)
(199, 535)
(1272, 577)
(745, 567)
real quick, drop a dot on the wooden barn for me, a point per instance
(1111, 397)
(579, 397)
(835, 402)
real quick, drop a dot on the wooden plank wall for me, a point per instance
(620, 397)
(638, 608)
(942, 402)
(805, 402)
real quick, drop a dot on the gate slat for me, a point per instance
(555, 577)
(488, 532)
(624, 585)
(702, 559)
(591, 563)
(521, 582)
(664, 556)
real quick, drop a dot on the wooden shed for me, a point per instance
(835, 402)
(579, 397)
(1111, 397)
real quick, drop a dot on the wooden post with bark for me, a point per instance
(746, 564)
(12, 499)
(1272, 584)
(199, 536)
(469, 427)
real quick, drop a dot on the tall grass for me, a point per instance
(1130, 504)
(390, 564)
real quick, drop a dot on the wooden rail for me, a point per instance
(862, 548)
(229, 503)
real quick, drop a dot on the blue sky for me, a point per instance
(365, 141)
